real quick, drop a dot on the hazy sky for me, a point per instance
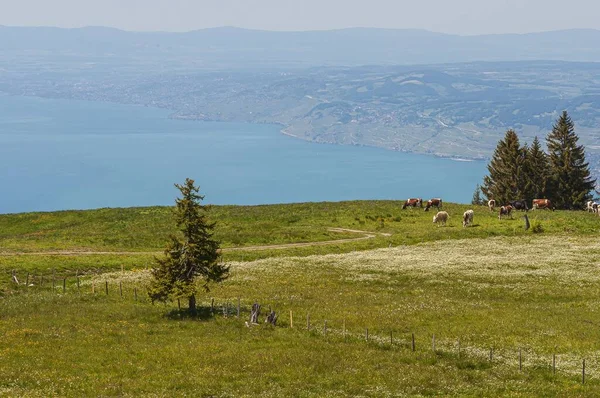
(449, 16)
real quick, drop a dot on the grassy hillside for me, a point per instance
(538, 294)
(145, 231)
(489, 286)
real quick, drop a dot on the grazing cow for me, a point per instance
(592, 206)
(542, 204)
(413, 202)
(436, 202)
(505, 211)
(468, 217)
(518, 204)
(441, 217)
(491, 204)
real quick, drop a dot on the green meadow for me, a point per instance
(489, 288)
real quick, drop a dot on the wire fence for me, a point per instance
(520, 358)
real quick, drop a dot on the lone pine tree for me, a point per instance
(190, 256)
(570, 181)
(506, 180)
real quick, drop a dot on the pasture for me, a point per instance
(489, 286)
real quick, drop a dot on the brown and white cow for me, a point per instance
(542, 204)
(592, 207)
(468, 217)
(441, 217)
(491, 204)
(588, 206)
(436, 202)
(505, 211)
(413, 202)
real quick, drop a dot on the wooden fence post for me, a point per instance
(307, 321)
(491, 354)
(106, 287)
(367, 334)
(433, 343)
(458, 347)
(325, 328)
(212, 306)
(238, 308)
(391, 337)
(78, 283)
(413, 342)
(583, 372)
(520, 361)
(291, 320)
(64, 285)
(553, 364)
(121, 288)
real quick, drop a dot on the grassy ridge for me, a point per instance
(146, 229)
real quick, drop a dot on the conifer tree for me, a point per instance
(191, 255)
(570, 182)
(477, 199)
(506, 180)
(536, 172)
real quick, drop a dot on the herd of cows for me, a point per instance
(505, 211)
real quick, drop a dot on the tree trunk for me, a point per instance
(192, 304)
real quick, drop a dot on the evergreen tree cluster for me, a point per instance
(527, 172)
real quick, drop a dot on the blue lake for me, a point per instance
(63, 154)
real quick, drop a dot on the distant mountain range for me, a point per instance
(235, 48)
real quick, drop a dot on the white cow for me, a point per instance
(441, 217)
(491, 204)
(468, 217)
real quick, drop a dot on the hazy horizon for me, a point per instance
(292, 31)
(461, 17)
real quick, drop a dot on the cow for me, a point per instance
(542, 204)
(468, 217)
(491, 204)
(441, 217)
(592, 206)
(505, 211)
(413, 202)
(436, 202)
(519, 204)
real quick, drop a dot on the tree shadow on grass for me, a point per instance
(201, 314)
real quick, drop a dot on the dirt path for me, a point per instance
(366, 235)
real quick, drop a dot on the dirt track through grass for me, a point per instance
(366, 235)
